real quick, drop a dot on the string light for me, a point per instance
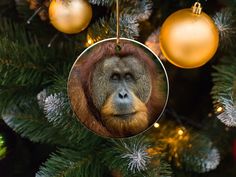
(219, 109)
(156, 125)
(90, 41)
(180, 132)
(210, 115)
(227, 129)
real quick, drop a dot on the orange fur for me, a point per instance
(80, 105)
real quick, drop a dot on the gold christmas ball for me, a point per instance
(189, 38)
(70, 16)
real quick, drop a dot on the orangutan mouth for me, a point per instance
(128, 115)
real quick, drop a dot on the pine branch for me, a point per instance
(126, 151)
(59, 78)
(25, 65)
(105, 28)
(25, 11)
(30, 123)
(22, 72)
(68, 163)
(102, 2)
(226, 24)
(12, 95)
(224, 91)
(164, 170)
(140, 10)
(58, 112)
(187, 149)
(201, 156)
(19, 61)
(131, 158)
(224, 78)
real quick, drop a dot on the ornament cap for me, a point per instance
(197, 8)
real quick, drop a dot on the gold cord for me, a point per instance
(117, 22)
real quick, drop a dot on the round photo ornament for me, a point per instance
(118, 87)
(118, 91)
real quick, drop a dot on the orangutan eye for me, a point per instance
(129, 77)
(115, 77)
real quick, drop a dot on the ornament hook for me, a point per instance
(197, 8)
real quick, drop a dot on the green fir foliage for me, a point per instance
(30, 123)
(224, 79)
(72, 163)
(128, 27)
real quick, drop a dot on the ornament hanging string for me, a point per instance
(117, 24)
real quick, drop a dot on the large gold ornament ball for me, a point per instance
(70, 16)
(189, 40)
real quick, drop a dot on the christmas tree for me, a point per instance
(194, 137)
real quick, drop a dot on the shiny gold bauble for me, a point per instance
(189, 38)
(70, 16)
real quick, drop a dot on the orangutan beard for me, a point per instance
(126, 124)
